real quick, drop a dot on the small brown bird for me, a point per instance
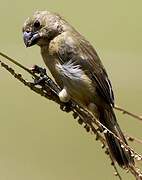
(78, 71)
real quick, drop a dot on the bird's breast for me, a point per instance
(51, 63)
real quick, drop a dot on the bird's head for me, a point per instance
(41, 28)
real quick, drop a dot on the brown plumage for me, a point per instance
(77, 69)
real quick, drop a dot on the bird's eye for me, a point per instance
(36, 24)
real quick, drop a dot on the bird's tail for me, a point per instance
(121, 155)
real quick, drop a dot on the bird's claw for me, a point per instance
(66, 107)
(40, 81)
(42, 75)
(39, 70)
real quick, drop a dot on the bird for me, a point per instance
(79, 72)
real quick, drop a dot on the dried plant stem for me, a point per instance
(50, 91)
(133, 139)
(15, 62)
(128, 113)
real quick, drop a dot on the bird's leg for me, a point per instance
(44, 79)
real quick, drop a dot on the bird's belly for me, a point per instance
(80, 90)
(77, 84)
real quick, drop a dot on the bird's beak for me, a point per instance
(30, 38)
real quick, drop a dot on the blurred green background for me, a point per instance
(37, 140)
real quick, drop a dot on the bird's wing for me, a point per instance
(81, 52)
(98, 71)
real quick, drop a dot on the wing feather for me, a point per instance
(98, 71)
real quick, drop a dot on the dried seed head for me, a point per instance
(103, 146)
(112, 163)
(132, 154)
(75, 115)
(105, 131)
(80, 121)
(136, 156)
(116, 174)
(107, 152)
(126, 150)
(139, 158)
(87, 128)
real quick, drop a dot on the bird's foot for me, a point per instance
(42, 75)
(41, 78)
(40, 81)
(39, 70)
(67, 107)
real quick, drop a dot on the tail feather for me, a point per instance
(121, 155)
